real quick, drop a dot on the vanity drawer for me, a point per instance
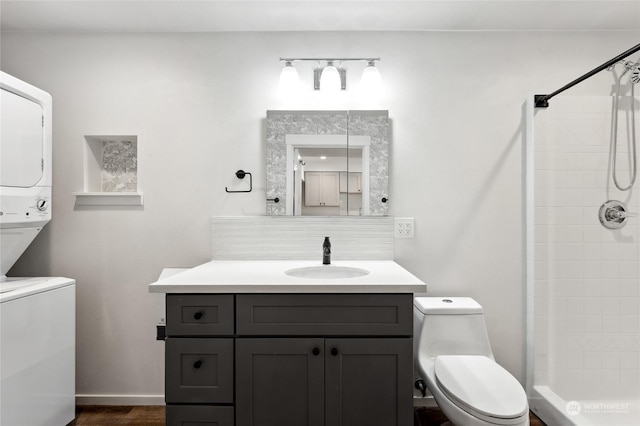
(199, 314)
(188, 415)
(198, 370)
(324, 314)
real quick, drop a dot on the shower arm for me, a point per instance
(542, 101)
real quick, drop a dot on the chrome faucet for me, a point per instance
(326, 251)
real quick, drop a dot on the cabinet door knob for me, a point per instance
(315, 351)
(197, 364)
(334, 351)
(198, 315)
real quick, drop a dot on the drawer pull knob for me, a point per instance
(198, 315)
(315, 351)
(334, 351)
(197, 364)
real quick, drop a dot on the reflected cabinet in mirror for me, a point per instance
(327, 163)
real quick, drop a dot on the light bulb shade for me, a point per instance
(289, 79)
(330, 79)
(371, 80)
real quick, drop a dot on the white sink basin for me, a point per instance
(327, 272)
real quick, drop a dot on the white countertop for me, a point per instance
(268, 276)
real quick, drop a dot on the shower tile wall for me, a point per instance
(586, 277)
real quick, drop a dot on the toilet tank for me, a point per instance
(450, 326)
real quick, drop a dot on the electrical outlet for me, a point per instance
(403, 227)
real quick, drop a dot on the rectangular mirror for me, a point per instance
(327, 163)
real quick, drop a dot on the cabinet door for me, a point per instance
(355, 183)
(351, 182)
(331, 189)
(280, 382)
(313, 189)
(198, 370)
(368, 382)
(322, 189)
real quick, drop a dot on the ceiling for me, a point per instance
(314, 15)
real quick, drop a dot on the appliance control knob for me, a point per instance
(42, 204)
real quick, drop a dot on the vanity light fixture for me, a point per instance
(371, 80)
(330, 78)
(333, 78)
(289, 78)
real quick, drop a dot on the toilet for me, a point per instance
(453, 355)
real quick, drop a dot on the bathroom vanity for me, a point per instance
(248, 344)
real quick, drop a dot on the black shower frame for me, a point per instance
(542, 101)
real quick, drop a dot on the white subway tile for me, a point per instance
(630, 360)
(611, 306)
(265, 237)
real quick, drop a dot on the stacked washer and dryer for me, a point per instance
(37, 314)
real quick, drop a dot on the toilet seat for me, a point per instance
(482, 388)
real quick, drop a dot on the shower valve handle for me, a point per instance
(613, 214)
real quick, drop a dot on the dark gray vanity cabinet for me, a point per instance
(298, 359)
(199, 358)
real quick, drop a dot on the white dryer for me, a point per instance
(25, 166)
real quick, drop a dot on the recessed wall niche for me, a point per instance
(110, 171)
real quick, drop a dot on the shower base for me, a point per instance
(554, 410)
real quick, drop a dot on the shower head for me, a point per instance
(634, 78)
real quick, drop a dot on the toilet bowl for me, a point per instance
(453, 355)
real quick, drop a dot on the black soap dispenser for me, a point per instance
(326, 251)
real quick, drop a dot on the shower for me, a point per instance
(634, 78)
(583, 269)
(613, 214)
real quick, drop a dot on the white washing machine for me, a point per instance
(37, 351)
(37, 315)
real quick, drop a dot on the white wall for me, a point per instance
(197, 104)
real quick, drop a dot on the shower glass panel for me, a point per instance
(583, 280)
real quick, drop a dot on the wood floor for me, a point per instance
(98, 415)
(434, 417)
(154, 416)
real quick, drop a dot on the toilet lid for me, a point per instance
(481, 387)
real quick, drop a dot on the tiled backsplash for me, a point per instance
(301, 238)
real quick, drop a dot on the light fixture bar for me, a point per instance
(329, 59)
(330, 76)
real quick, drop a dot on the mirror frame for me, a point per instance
(372, 123)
